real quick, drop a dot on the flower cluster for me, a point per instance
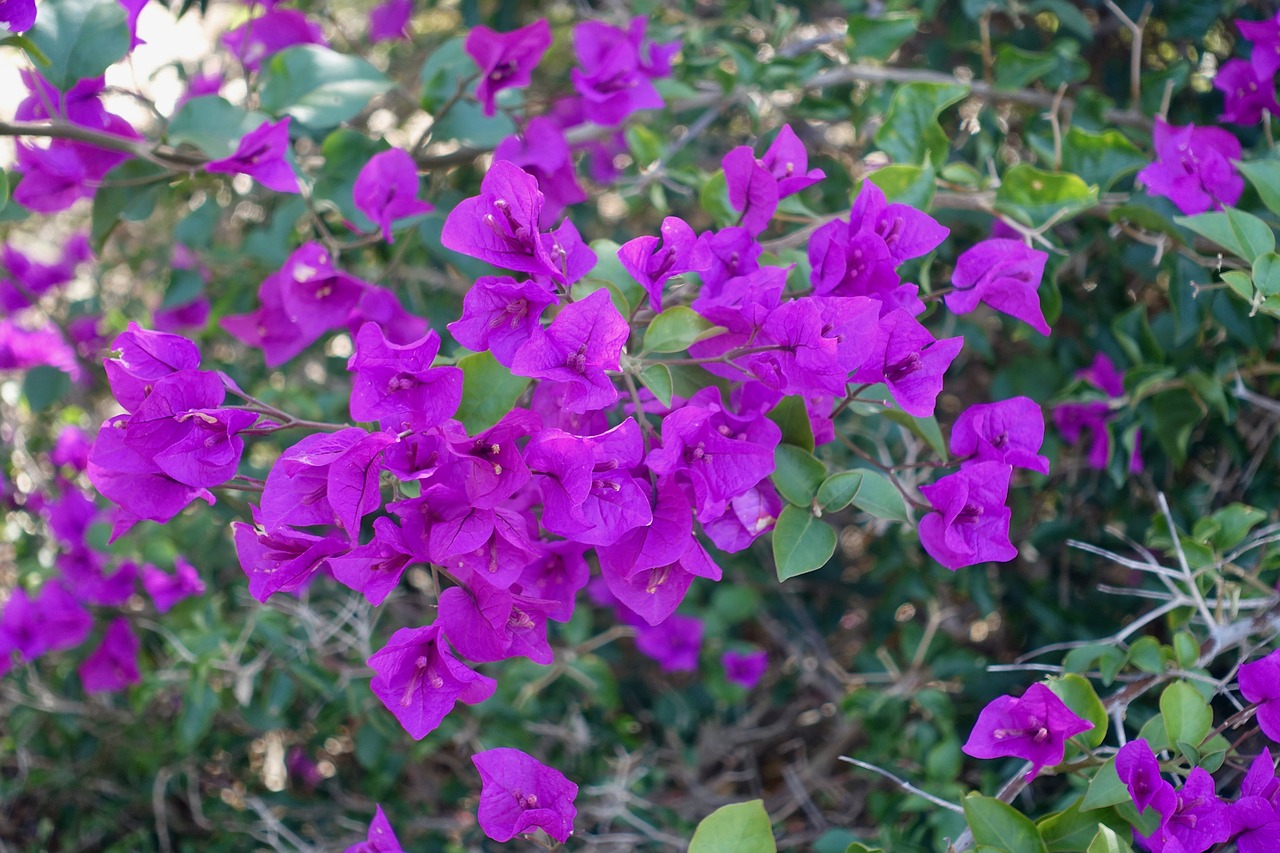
(1093, 416)
(1249, 86)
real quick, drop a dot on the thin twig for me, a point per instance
(904, 784)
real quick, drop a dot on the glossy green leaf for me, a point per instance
(1001, 827)
(797, 474)
(801, 542)
(839, 490)
(657, 378)
(878, 37)
(1266, 274)
(1242, 234)
(489, 391)
(906, 184)
(1187, 716)
(1186, 649)
(609, 270)
(129, 191)
(1068, 830)
(1035, 197)
(213, 124)
(1108, 841)
(1102, 157)
(925, 428)
(792, 418)
(911, 132)
(675, 329)
(1145, 654)
(713, 198)
(1105, 789)
(80, 38)
(736, 828)
(1265, 177)
(1077, 693)
(43, 386)
(320, 88)
(880, 497)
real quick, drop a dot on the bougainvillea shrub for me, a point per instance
(657, 426)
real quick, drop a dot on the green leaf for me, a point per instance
(1001, 827)
(1186, 649)
(801, 543)
(43, 386)
(1187, 716)
(1108, 841)
(675, 329)
(1105, 789)
(906, 184)
(910, 131)
(1077, 693)
(489, 391)
(797, 474)
(320, 88)
(198, 709)
(925, 428)
(838, 490)
(80, 38)
(1242, 234)
(880, 497)
(1100, 158)
(1069, 830)
(713, 198)
(736, 828)
(1266, 274)
(4, 188)
(1240, 283)
(213, 124)
(129, 191)
(657, 378)
(609, 270)
(1034, 196)
(1145, 654)
(879, 37)
(792, 418)
(1265, 177)
(1234, 523)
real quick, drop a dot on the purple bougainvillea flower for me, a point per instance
(1247, 91)
(387, 189)
(397, 386)
(557, 576)
(143, 358)
(753, 190)
(1075, 419)
(745, 669)
(1199, 820)
(114, 664)
(326, 478)
(268, 34)
(582, 342)
(419, 679)
(85, 574)
(500, 226)
(488, 623)
(381, 837)
(24, 280)
(652, 261)
(1255, 815)
(788, 162)
(909, 361)
(542, 151)
(282, 559)
(723, 455)
(673, 643)
(500, 314)
(1010, 431)
(1265, 36)
(1103, 375)
(389, 21)
(261, 156)
(52, 621)
(722, 255)
(166, 589)
(1003, 274)
(22, 349)
(1034, 726)
(1193, 167)
(971, 524)
(819, 342)
(1137, 767)
(374, 570)
(135, 482)
(650, 569)
(519, 793)
(747, 517)
(1260, 684)
(315, 293)
(616, 66)
(71, 448)
(506, 60)
(17, 16)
